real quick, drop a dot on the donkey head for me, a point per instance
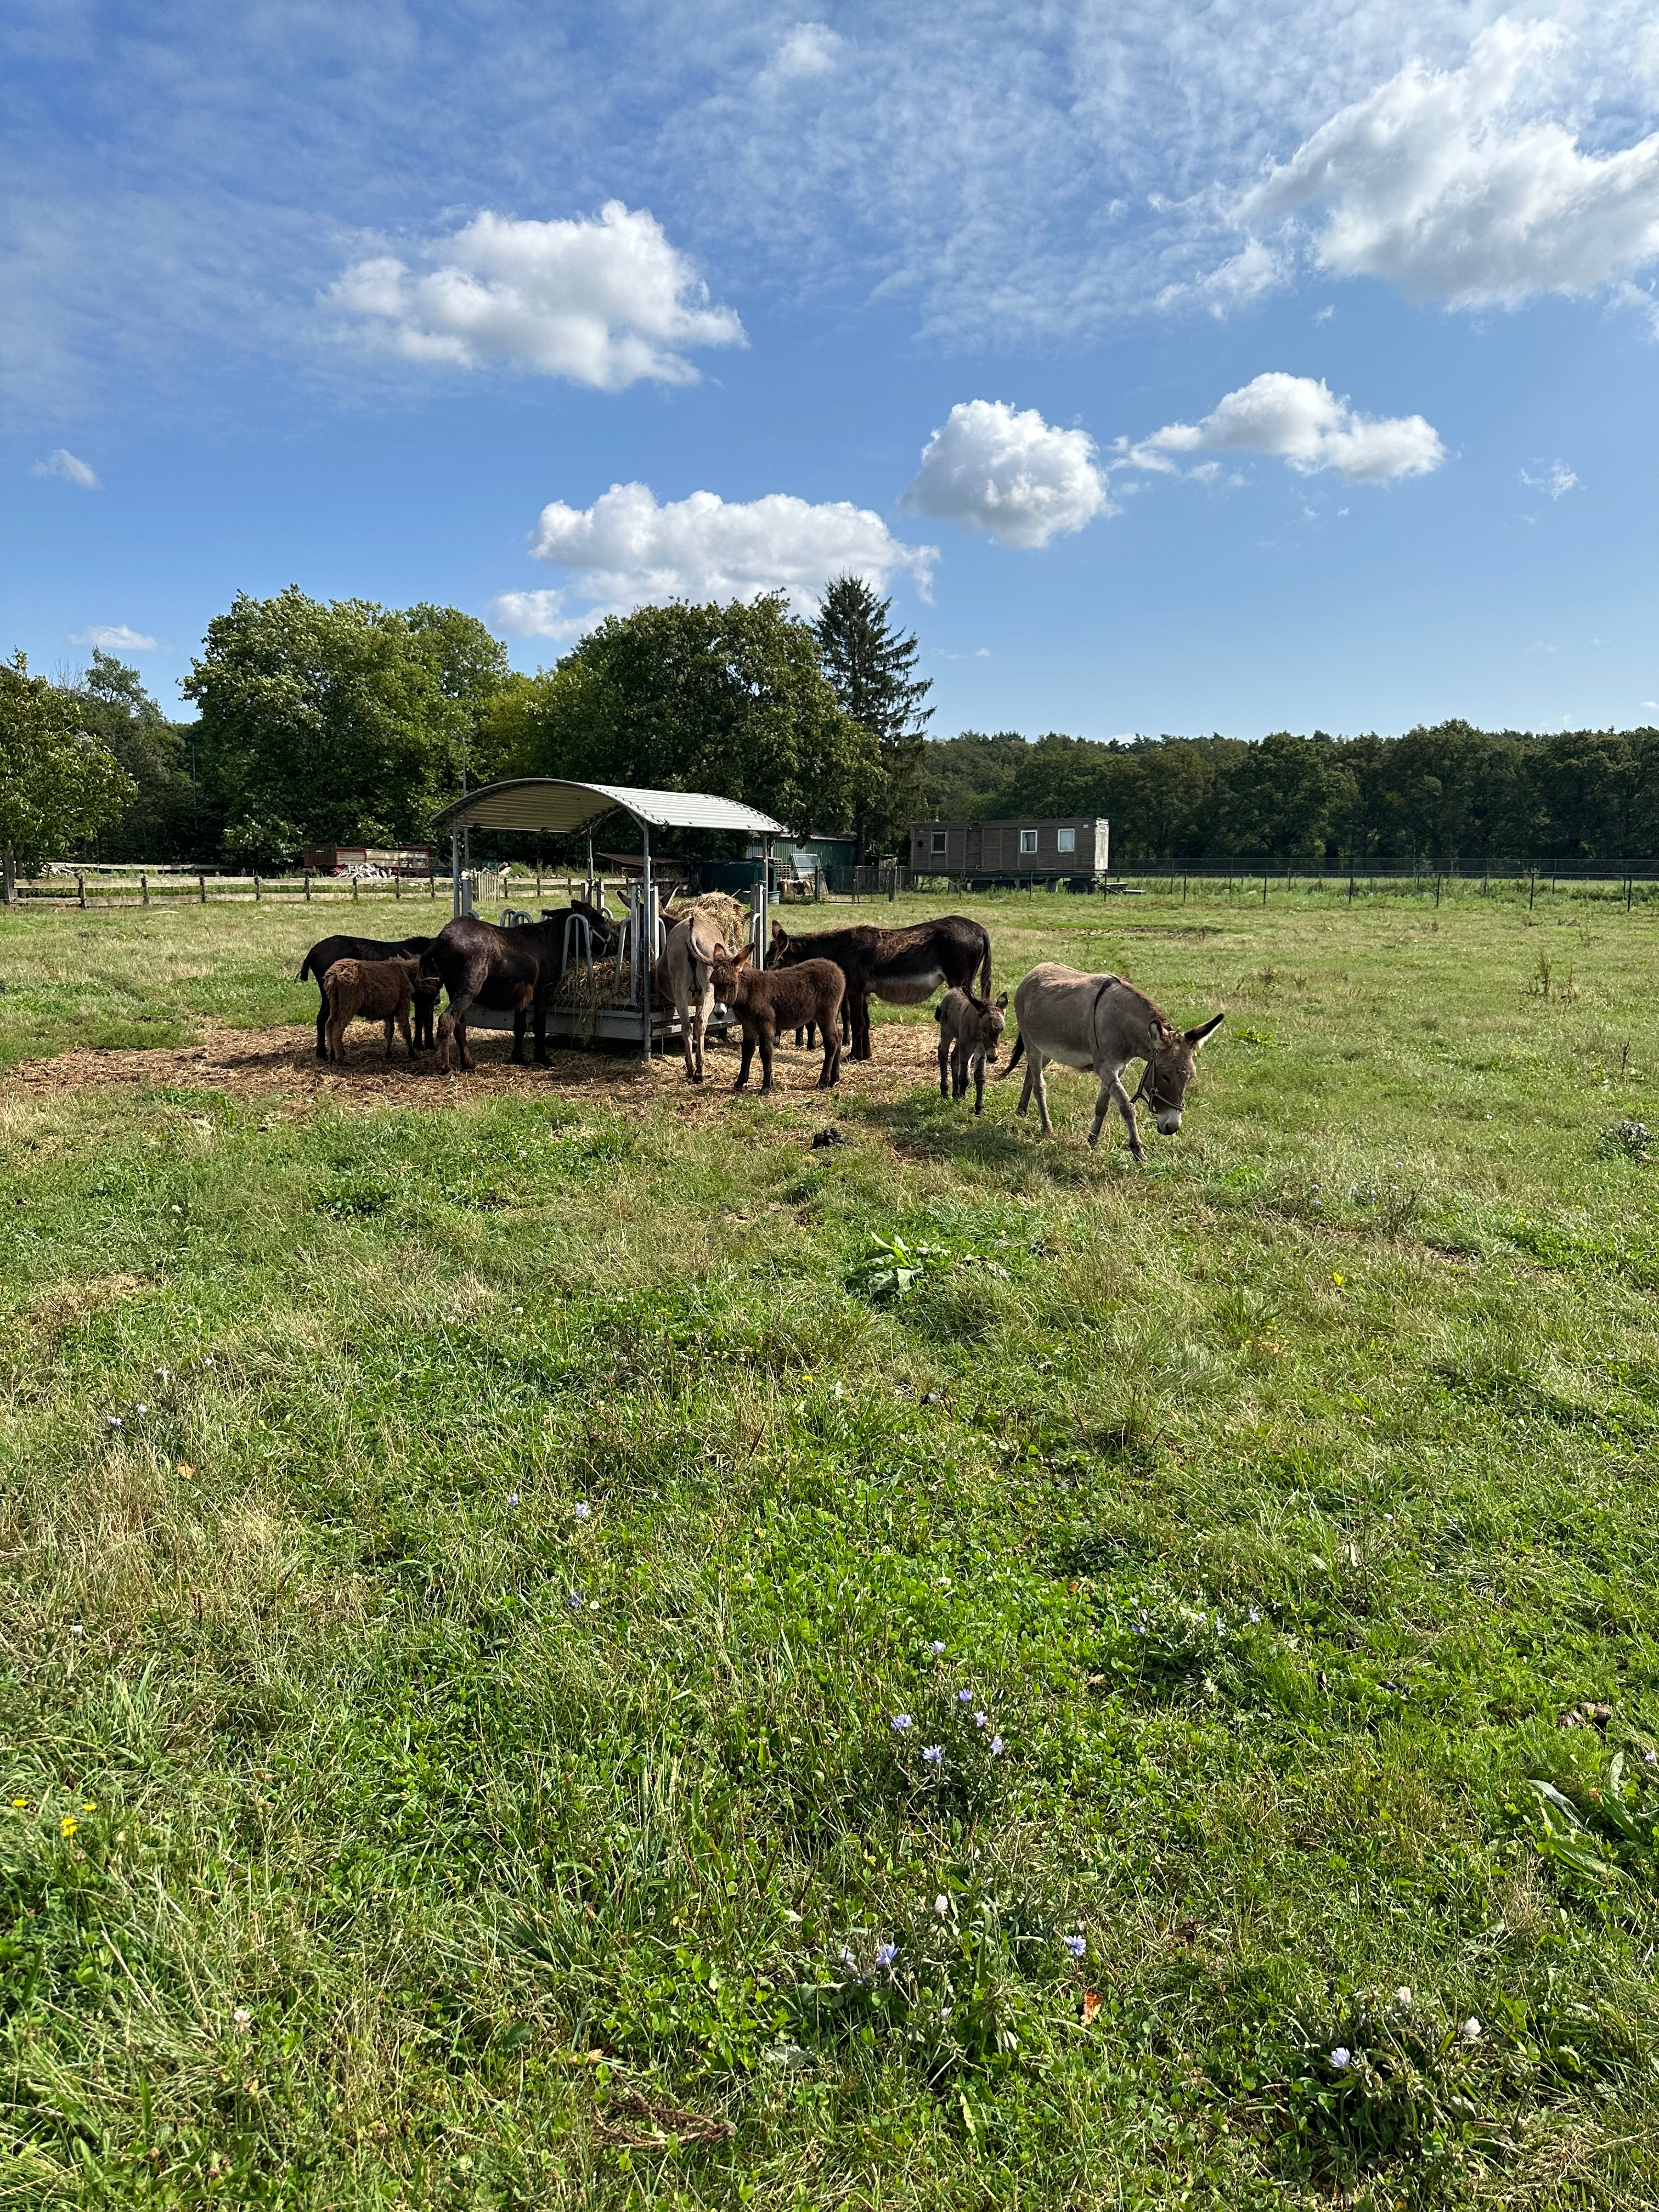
(1171, 1057)
(992, 1019)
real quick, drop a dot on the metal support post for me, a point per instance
(646, 942)
(455, 870)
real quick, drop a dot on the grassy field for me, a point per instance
(463, 1571)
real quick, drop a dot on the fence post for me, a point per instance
(1350, 882)
(308, 887)
(354, 891)
(81, 888)
(397, 882)
(432, 884)
(143, 887)
(256, 890)
(1437, 887)
(1532, 890)
(201, 885)
(1627, 887)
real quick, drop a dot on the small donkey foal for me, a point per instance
(968, 1031)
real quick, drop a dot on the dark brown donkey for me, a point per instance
(508, 970)
(903, 966)
(773, 999)
(322, 957)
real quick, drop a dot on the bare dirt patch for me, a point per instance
(279, 1069)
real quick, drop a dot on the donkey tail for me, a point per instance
(985, 969)
(305, 969)
(1013, 1061)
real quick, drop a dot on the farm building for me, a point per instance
(1073, 845)
(389, 859)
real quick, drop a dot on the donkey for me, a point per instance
(1103, 1023)
(766, 1000)
(323, 955)
(508, 970)
(969, 1030)
(903, 966)
(687, 978)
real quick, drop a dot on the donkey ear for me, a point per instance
(1002, 1004)
(1204, 1031)
(742, 959)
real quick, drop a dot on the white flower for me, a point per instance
(114, 1420)
(997, 1747)
(512, 1498)
(1402, 1996)
(141, 1409)
(242, 2016)
(1341, 2057)
(941, 1905)
(583, 1512)
(1471, 2030)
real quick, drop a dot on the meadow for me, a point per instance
(561, 1644)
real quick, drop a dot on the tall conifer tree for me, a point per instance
(872, 668)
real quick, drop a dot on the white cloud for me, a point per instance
(810, 50)
(1300, 420)
(70, 467)
(1442, 183)
(1556, 479)
(1239, 282)
(604, 301)
(626, 551)
(537, 614)
(1021, 481)
(113, 637)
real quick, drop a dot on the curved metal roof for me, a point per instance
(545, 802)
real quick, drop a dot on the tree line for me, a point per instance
(352, 723)
(346, 722)
(1444, 792)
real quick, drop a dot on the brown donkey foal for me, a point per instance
(970, 1030)
(373, 991)
(766, 1000)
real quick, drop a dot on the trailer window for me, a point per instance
(1028, 841)
(1068, 841)
(938, 840)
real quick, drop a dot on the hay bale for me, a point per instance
(728, 915)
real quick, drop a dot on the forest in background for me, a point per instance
(348, 722)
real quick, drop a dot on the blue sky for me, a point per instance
(1177, 367)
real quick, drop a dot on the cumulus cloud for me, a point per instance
(538, 614)
(810, 50)
(1442, 183)
(1302, 422)
(113, 637)
(626, 551)
(994, 468)
(605, 301)
(1555, 479)
(70, 467)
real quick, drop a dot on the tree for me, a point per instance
(727, 699)
(872, 669)
(163, 821)
(345, 723)
(57, 783)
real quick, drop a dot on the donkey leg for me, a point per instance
(979, 1083)
(747, 1060)
(539, 1023)
(766, 1056)
(322, 1027)
(521, 1016)
(945, 1064)
(1112, 1093)
(1041, 1090)
(408, 1034)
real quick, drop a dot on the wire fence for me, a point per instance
(1236, 877)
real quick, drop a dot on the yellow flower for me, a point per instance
(92, 1808)
(19, 1804)
(68, 1824)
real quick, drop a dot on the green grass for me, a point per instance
(436, 1843)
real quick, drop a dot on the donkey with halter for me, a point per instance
(1100, 1022)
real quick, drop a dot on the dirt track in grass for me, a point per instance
(279, 1068)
